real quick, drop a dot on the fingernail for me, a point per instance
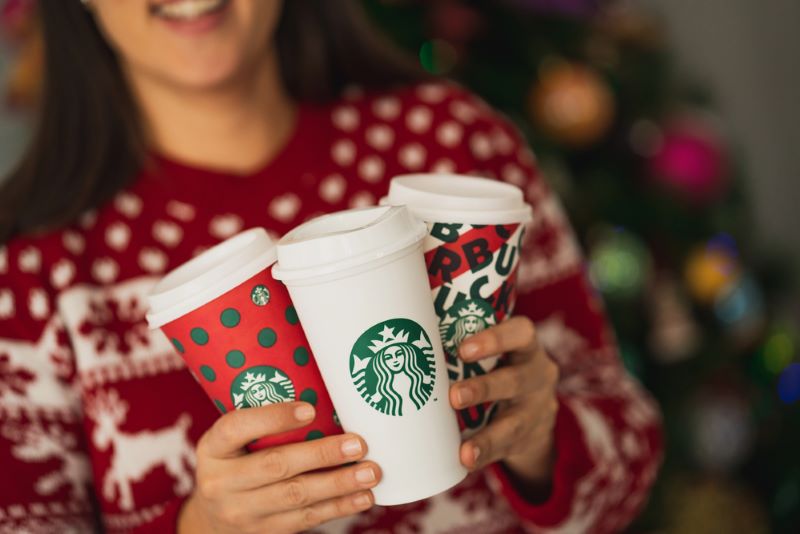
(304, 412)
(365, 475)
(476, 453)
(469, 350)
(351, 447)
(464, 395)
(362, 501)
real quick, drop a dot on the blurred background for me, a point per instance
(671, 131)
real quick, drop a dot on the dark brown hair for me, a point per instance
(89, 143)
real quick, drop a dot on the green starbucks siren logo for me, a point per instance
(261, 385)
(464, 319)
(260, 295)
(393, 367)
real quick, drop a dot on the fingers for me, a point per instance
(514, 430)
(234, 430)
(310, 488)
(274, 464)
(500, 384)
(506, 383)
(316, 514)
(516, 334)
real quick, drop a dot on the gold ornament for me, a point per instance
(709, 270)
(25, 77)
(572, 104)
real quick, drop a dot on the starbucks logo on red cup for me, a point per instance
(261, 385)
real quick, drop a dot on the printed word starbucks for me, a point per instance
(473, 254)
(474, 262)
(393, 368)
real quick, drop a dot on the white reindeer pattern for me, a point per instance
(135, 455)
(37, 444)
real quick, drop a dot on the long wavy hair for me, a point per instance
(461, 333)
(89, 140)
(394, 402)
(272, 395)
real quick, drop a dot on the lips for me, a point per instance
(187, 9)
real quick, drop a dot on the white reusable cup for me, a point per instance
(358, 282)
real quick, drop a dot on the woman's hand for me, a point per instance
(273, 490)
(522, 433)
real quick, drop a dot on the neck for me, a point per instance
(236, 127)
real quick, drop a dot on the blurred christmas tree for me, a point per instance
(700, 307)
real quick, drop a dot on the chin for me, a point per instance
(204, 75)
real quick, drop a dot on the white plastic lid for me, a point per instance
(209, 275)
(454, 198)
(344, 240)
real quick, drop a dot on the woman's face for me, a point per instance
(259, 392)
(197, 44)
(471, 324)
(394, 358)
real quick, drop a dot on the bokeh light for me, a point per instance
(619, 264)
(789, 384)
(739, 304)
(437, 56)
(778, 351)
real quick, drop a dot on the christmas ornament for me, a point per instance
(572, 104)
(25, 76)
(778, 349)
(709, 270)
(789, 384)
(740, 307)
(674, 334)
(690, 159)
(721, 429)
(16, 17)
(710, 505)
(629, 26)
(438, 56)
(619, 263)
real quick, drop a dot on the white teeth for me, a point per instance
(189, 9)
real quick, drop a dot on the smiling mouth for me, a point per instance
(187, 9)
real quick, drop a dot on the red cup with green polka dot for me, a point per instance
(235, 327)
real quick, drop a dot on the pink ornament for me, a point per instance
(14, 15)
(691, 159)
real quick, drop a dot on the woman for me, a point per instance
(169, 125)
(402, 385)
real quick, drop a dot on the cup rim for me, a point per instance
(219, 269)
(430, 197)
(414, 232)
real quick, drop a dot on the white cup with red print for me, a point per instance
(358, 281)
(472, 251)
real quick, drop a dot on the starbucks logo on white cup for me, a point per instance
(464, 319)
(393, 367)
(261, 385)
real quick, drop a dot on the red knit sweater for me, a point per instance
(72, 307)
